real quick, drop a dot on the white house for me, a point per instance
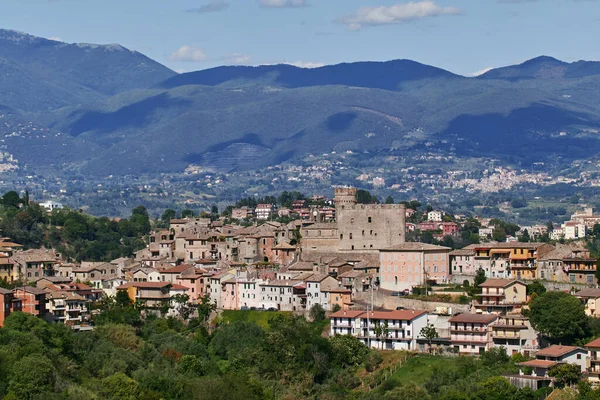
(51, 205)
(435, 216)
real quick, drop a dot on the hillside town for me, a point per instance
(351, 260)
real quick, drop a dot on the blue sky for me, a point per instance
(463, 36)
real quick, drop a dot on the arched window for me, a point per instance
(395, 280)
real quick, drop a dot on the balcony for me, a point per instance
(499, 335)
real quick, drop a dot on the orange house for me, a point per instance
(33, 300)
(8, 304)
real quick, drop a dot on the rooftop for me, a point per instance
(474, 318)
(416, 246)
(557, 351)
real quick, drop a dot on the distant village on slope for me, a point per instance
(352, 260)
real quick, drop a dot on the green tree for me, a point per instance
(11, 199)
(429, 332)
(335, 308)
(32, 377)
(565, 374)
(348, 350)
(187, 213)
(536, 287)
(317, 313)
(525, 237)
(183, 306)
(389, 200)
(205, 307)
(365, 197)
(558, 316)
(477, 281)
(168, 215)
(120, 387)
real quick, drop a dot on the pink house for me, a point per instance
(449, 228)
(195, 282)
(230, 294)
(412, 264)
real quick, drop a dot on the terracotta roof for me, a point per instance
(346, 314)
(5, 291)
(557, 351)
(145, 285)
(589, 292)
(317, 278)
(337, 290)
(284, 246)
(474, 318)
(406, 315)
(301, 266)
(178, 287)
(594, 343)
(463, 252)
(352, 274)
(538, 363)
(415, 246)
(176, 270)
(498, 283)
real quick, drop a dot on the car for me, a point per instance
(260, 309)
(244, 308)
(400, 308)
(271, 309)
(398, 294)
(252, 308)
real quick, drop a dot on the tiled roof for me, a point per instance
(474, 318)
(594, 343)
(405, 315)
(498, 283)
(462, 252)
(415, 246)
(538, 363)
(145, 285)
(589, 292)
(557, 351)
(176, 270)
(346, 314)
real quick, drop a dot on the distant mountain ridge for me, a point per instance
(104, 110)
(38, 73)
(378, 75)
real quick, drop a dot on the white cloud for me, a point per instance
(55, 38)
(282, 3)
(481, 72)
(188, 53)
(212, 6)
(398, 13)
(305, 64)
(236, 59)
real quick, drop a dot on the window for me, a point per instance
(579, 356)
(369, 219)
(350, 235)
(341, 236)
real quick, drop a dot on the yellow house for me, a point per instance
(501, 295)
(8, 271)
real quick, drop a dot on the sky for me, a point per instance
(462, 36)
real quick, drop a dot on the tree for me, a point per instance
(205, 307)
(478, 280)
(183, 305)
(597, 272)
(11, 199)
(558, 316)
(168, 215)
(429, 332)
(317, 313)
(536, 287)
(525, 236)
(122, 299)
(32, 377)
(336, 307)
(565, 374)
(187, 213)
(214, 210)
(389, 200)
(365, 197)
(348, 350)
(381, 331)
(120, 386)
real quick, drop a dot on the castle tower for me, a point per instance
(344, 196)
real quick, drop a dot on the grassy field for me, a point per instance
(260, 318)
(418, 369)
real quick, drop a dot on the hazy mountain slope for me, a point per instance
(380, 75)
(544, 67)
(37, 73)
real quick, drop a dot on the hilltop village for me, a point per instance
(349, 259)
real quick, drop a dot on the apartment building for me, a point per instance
(412, 264)
(593, 362)
(67, 308)
(471, 333)
(515, 334)
(389, 330)
(33, 300)
(501, 295)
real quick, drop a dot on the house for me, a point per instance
(250, 292)
(339, 296)
(510, 260)
(501, 295)
(51, 205)
(244, 212)
(514, 333)
(554, 355)
(195, 281)
(471, 333)
(215, 288)
(67, 308)
(593, 365)
(580, 267)
(33, 300)
(435, 216)
(574, 230)
(355, 281)
(154, 295)
(171, 274)
(264, 211)
(145, 274)
(8, 272)
(283, 253)
(8, 304)
(284, 295)
(35, 263)
(449, 228)
(412, 264)
(462, 264)
(591, 300)
(390, 330)
(317, 287)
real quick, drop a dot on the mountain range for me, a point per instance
(106, 110)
